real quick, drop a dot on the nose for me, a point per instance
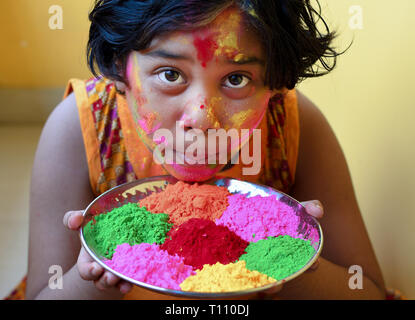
(200, 113)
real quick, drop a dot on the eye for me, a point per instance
(171, 76)
(237, 80)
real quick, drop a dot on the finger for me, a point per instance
(314, 208)
(106, 281)
(73, 219)
(314, 266)
(270, 293)
(124, 287)
(87, 267)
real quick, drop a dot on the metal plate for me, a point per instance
(309, 228)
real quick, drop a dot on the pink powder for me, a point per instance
(148, 263)
(257, 218)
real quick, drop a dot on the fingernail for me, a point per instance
(70, 223)
(317, 205)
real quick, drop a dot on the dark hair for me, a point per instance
(287, 30)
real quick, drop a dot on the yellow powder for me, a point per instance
(225, 278)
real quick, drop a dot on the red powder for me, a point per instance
(182, 201)
(202, 106)
(205, 48)
(201, 241)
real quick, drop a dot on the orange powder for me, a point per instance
(183, 201)
(225, 278)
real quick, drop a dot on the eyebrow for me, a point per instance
(169, 55)
(247, 60)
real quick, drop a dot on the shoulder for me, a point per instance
(310, 116)
(59, 183)
(63, 126)
(320, 154)
(61, 148)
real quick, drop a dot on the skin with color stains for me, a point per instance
(209, 78)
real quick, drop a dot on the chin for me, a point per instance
(192, 173)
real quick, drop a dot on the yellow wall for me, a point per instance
(34, 56)
(367, 100)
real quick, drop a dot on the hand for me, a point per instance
(314, 208)
(89, 269)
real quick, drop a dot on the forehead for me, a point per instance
(227, 36)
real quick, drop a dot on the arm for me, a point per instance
(322, 174)
(60, 182)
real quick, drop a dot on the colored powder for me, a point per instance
(259, 217)
(148, 263)
(201, 242)
(182, 201)
(205, 48)
(126, 224)
(278, 257)
(225, 278)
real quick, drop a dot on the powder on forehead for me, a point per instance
(182, 201)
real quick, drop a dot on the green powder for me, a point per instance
(127, 224)
(278, 257)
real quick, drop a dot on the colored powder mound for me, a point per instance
(148, 263)
(126, 224)
(201, 241)
(225, 278)
(259, 217)
(278, 257)
(182, 201)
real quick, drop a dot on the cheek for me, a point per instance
(248, 116)
(146, 119)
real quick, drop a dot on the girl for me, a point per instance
(193, 66)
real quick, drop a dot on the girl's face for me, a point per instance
(209, 78)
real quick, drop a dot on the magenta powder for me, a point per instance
(148, 263)
(257, 218)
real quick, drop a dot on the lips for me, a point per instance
(203, 159)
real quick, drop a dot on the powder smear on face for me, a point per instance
(182, 201)
(225, 278)
(202, 242)
(148, 263)
(126, 224)
(278, 257)
(262, 216)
